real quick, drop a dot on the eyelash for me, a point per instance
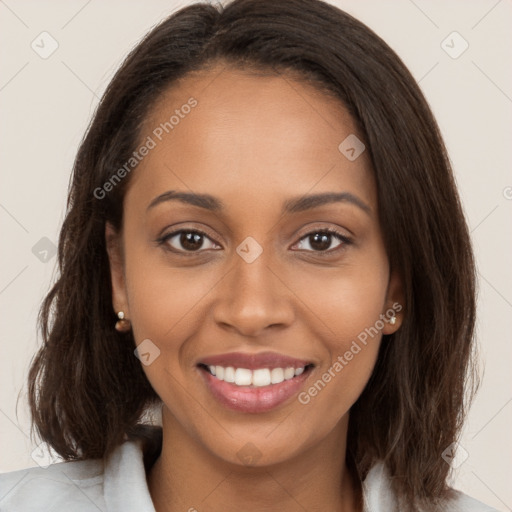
(162, 241)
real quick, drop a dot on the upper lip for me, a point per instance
(254, 361)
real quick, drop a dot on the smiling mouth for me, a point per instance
(260, 377)
(256, 390)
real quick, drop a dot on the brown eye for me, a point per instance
(188, 241)
(321, 240)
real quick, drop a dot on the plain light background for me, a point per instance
(46, 104)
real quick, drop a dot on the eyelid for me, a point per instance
(163, 239)
(342, 238)
(175, 229)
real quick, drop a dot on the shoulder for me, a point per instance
(56, 487)
(117, 483)
(464, 503)
(379, 496)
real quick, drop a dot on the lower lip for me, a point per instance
(253, 399)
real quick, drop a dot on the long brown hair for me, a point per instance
(87, 391)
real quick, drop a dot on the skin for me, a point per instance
(252, 141)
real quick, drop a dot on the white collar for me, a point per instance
(126, 488)
(125, 483)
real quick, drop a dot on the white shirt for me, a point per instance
(119, 485)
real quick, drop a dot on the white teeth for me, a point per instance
(229, 374)
(258, 378)
(289, 373)
(277, 375)
(243, 377)
(261, 377)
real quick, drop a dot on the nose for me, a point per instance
(253, 297)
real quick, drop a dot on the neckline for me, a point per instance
(150, 439)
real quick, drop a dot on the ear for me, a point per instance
(116, 259)
(395, 303)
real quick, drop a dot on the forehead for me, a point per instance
(265, 134)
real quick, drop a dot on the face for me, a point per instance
(264, 278)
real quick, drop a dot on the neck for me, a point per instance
(187, 477)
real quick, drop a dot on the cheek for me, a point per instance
(167, 306)
(345, 310)
(162, 299)
(334, 389)
(351, 309)
(164, 304)
(348, 300)
(346, 304)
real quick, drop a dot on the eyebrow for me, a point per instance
(293, 205)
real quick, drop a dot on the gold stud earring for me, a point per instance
(123, 324)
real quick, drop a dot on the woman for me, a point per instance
(264, 239)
